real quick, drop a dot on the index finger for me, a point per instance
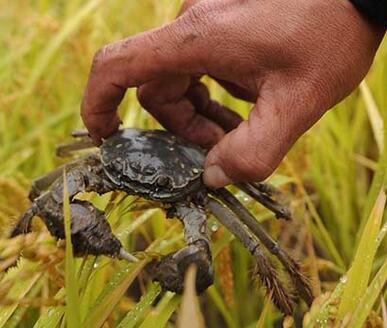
(176, 48)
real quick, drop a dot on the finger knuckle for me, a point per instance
(197, 20)
(188, 4)
(108, 54)
(144, 97)
(99, 58)
(196, 14)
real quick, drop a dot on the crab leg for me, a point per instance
(84, 142)
(171, 270)
(194, 220)
(255, 191)
(64, 150)
(265, 188)
(291, 266)
(23, 225)
(91, 233)
(43, 182)
(198, 250)
(264, 267)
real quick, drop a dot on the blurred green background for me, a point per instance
(334, 179)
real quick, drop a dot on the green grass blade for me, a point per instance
(217, 299)
(73, 316)
(112, 294)
(160, 317)
(378, 182)
(20, 289)
(384, 309)
(16, 319)
(368, 300)
(118, 284)
(124, 233)
(359, 273)
(321, 317)
(53, 315)
(69, 27)
(375, 118)
(382, 234)
(316, 225)
(263, 315)
(141, 308)
(51, 318)
(30, 137)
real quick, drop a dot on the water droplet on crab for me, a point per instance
(214, 227)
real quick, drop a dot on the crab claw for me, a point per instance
(170, 271)
(90, 232)
(124, 255)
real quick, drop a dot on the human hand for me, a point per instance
(294, 60)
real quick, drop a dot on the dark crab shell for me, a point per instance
(153, 163)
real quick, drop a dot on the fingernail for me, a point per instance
(215, 177)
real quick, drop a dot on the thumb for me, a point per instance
(255, 148)
(175, 49)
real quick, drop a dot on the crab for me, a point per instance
(161, 167)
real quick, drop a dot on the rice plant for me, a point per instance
(334, 179)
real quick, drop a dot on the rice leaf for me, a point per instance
(218, 301)
(263, 315)
(378, 182)
(375, 118)
(322, 316)
(53, 315)
(160, 316)
(31, 136)
(16, 319)
(69, 27)
(384, 310)
(51, 318)
(73, 316)
(118, 284)
(112, 294)
(20, 289)
(359, 273)
(368, 300)
(141, 308)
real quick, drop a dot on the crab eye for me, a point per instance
(163, 181)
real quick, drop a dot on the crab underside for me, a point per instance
(161, 167)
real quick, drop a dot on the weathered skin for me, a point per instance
(160, 167)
